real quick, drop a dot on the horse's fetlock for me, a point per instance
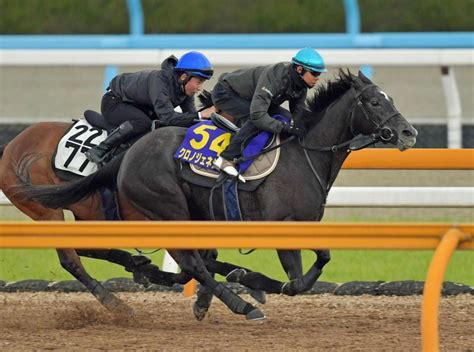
(287, 289)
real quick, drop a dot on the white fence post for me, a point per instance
(453, 106)
(169, 264)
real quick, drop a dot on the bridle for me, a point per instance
(383, 134)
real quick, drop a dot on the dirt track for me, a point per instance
(164, 321)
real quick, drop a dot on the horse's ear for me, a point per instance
(363, 77)
(357, 82)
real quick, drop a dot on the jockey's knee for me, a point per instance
(141, 126)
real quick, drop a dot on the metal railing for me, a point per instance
(445, 238)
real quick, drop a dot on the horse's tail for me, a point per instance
(63, 195)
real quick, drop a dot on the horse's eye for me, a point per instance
(374, 103)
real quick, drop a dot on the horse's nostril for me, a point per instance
(408, 133)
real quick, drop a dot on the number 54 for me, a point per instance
(218, 144)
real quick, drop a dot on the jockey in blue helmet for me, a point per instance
(195, 64)
(133, 100)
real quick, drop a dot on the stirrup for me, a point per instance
(228, 167)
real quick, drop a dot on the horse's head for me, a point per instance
(375, 113)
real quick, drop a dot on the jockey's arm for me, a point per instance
(265, 90)
(188, 106)
(297, 107)
(168, 116)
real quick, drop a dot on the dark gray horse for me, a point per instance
(150, 186)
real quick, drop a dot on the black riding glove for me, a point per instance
(298, 131)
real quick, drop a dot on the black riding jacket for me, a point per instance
(265, 86)
(159, 91)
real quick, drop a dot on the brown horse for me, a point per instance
(34, 148)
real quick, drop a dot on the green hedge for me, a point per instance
(231, 16)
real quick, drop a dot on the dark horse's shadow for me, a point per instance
(150, 187)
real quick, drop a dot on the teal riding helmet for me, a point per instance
(310, 60)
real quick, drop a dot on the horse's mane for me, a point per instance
(326, 95)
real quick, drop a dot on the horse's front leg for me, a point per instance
(131, 263)
(234, 273)
(192, 263)
(144, 272)
(72, 263)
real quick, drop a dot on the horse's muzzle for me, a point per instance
(407, 138)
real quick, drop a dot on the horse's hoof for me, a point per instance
(255, 314)
(235, 275)
(117, 306)
(259, 295)
(199, 313)
(141, 279)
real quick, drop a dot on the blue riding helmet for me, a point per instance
(195, 64)
(309, 59)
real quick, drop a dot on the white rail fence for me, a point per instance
(446, 59)
(390, 197)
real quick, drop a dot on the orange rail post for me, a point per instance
(432, 289)
(190, 288)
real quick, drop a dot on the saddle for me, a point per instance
(97, 120)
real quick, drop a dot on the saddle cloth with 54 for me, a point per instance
(204, 142)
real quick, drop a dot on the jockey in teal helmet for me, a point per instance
(133, 100)
(252, 96)
(310, 60)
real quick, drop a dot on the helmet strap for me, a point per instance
(185, 81)
(303, 71)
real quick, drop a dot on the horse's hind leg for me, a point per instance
(204, 293)
(192, 263)
(71, 262)
(307, 281)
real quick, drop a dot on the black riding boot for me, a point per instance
(121, 134)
